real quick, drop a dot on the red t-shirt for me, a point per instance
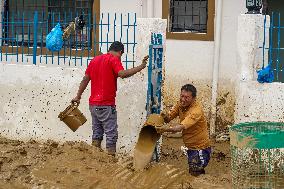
(103, 72)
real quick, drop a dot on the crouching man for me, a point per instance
(194, 129)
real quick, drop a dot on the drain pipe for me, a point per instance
(150, 8)
(217, 45)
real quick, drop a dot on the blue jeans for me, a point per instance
(198, 160)
(104, 121)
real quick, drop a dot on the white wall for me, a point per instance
(193, 57)
(122, 6)
(157, 8)
(196, 57)
(32, 96)
(228, 61)
(259, 102)
(255, 101)
(191, 61)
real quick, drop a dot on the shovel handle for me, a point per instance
(74, 103)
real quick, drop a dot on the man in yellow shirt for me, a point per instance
(194, 129)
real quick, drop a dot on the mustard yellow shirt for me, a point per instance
(195, 135)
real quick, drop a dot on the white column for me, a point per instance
(255, 101)
(249, 39)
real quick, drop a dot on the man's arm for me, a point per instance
(172, 114)
(175, 128)
(188, 122)
(83, 85)
(168, 117)
(130, 72)
(172, 129)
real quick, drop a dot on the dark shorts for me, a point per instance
(104, 121)
(198, 160)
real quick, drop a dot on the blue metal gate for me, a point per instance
(275, 47)
(23, 37)
(155, 77)
(155, 74)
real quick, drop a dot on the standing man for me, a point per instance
(103, 72)
(194, 129)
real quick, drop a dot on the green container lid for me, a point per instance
(260, 135)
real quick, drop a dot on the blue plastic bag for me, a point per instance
(54, 40)
(265, 75)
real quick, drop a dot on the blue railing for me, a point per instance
(275, 46)
(155, 78)
(155, 75)
(22, 37)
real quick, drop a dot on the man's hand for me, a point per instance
(145, 61)
(161, 130)
(172, 129)
(163, 114)
(176, 128)
(130, 72)
(84, 83)
(76, 100)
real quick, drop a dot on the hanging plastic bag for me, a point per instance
(54, 40)
(265, 75)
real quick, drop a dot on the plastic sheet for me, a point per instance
(265, 75)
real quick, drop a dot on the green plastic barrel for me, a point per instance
(257, 150)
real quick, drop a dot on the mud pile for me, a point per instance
(78, 165)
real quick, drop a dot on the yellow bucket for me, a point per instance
(72, 117)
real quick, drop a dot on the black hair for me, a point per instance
(189, 88)
(117, 47)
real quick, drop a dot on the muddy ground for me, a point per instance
(78, 165)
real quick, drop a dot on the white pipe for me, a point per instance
(142, 4)
(150, 8)
(217, 45)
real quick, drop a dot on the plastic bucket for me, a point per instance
(72, 117)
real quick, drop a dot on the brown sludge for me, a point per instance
(79, 165)
(147, 140)
(145, 147)
(242, 141)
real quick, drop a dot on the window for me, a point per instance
(189, 19)
(18, 20)
(188, 16)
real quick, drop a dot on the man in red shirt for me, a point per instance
(103, 72)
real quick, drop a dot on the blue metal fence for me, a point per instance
(22, 37)
(155, 75)
(275, 47)
(155, 78)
